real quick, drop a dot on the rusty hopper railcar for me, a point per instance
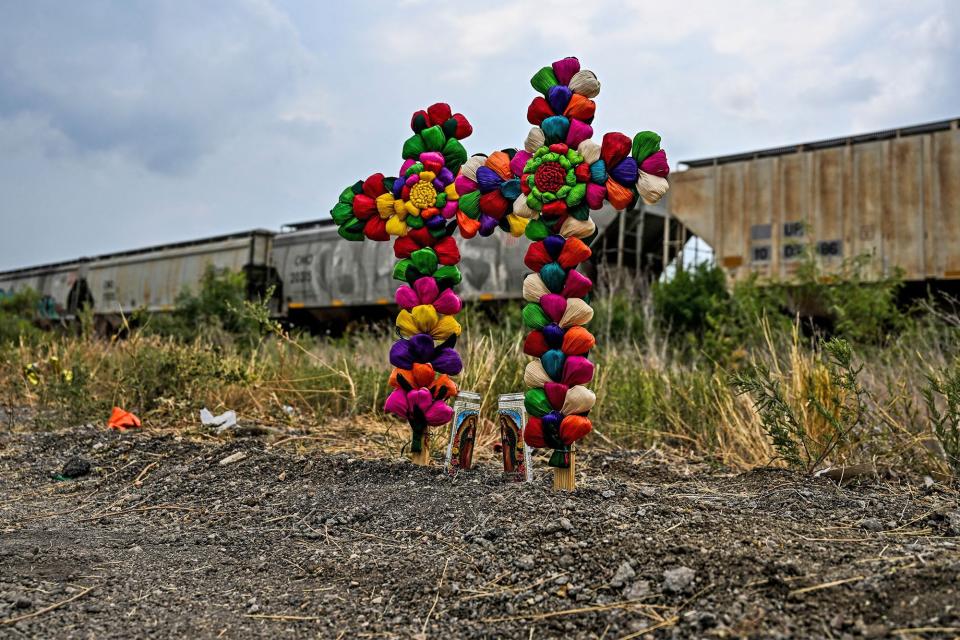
(321, 272)
(149, 278)
(893, 195)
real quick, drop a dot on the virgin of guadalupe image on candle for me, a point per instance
(516, 455)
(463, 432)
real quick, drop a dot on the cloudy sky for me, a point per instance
(129, 123)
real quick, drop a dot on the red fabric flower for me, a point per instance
(536, 256)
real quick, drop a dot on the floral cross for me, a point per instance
(545, 191)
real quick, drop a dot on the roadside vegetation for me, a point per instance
(728, 374)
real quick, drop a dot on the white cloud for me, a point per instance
(128, 123)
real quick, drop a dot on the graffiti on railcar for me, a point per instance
(46, 307)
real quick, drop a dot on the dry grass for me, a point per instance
(328, 393)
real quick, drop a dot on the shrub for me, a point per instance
(684, 303)
(809, 416)
(862, 310)
(217, 312)
(17, 314)
(697, 306)
(943, 390)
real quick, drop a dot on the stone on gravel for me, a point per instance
(624, 574)
(678, 579)
(563, 524)
(75, 468)
(233, 457)
(636, 590)
(373, 547)
(953, 523)
(871, 524)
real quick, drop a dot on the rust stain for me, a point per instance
(731, 262)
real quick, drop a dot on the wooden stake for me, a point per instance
(566, 479)
(422, 457)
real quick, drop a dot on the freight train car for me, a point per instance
(891, 195)
(150, 278)
(323, 273)
(317, 277)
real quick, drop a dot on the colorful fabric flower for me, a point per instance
(426, 291)
(488, 188)
(565, 175)
(424, 196)
(425, 319)
(421, 349)
(560, 194)
(417, 209)
(653, 166)
(554, 183)
(418, 404)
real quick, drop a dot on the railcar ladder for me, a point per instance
(674, 239)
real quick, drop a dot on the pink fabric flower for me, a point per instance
(407, 404)
(426, 291)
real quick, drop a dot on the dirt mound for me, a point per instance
(168, 538)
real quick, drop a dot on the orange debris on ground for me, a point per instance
(122, 420)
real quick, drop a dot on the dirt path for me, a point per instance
(161, 540)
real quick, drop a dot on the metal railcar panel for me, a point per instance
(149, 278)
(894, 196)
(153, 281)
(946, 168)
(320, 269)
(53, 284)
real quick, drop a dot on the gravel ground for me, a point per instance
(163, 537)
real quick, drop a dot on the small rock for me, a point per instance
(953, 523)
(637, 590)
(608, 494)
(678, 580)
(648, 492)
(563, 524)
(22, 603)
(624, 574)
(75, 468)
(706, 620)
(871, 524)
(875, 631)
(233, 457)
(928, 482)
